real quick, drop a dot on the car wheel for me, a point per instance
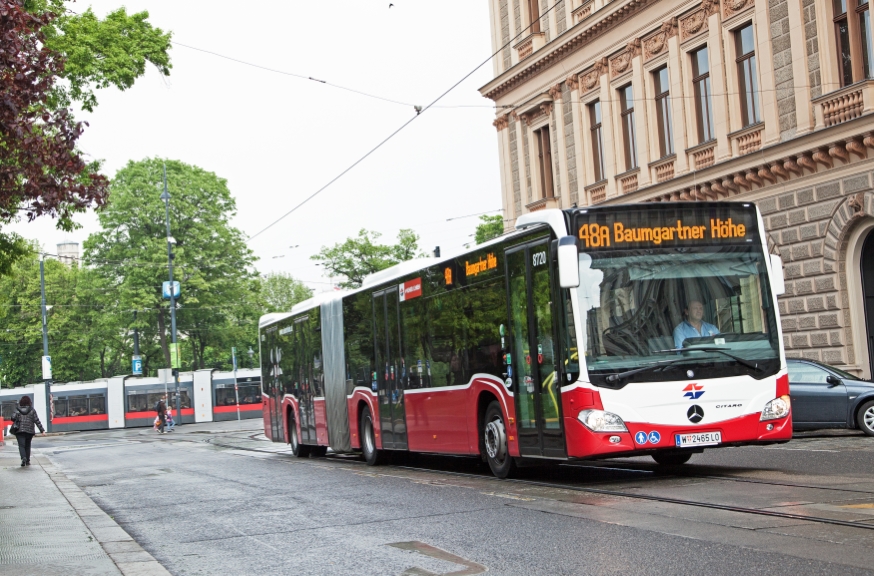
(367, 433)
(672, 459)
(495, 442)
(865, 418)
(298, 449)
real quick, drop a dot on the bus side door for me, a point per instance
(532, 353)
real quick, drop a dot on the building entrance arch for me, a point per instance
(867, 274)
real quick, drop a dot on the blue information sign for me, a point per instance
(137, 366)
(177, 289)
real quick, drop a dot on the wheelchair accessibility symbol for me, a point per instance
(654, 437)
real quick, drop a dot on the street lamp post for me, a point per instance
(46, 359)
(166, 198)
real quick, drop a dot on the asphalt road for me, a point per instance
(216, 498)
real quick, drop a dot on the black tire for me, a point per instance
(298, 449)
(318, 451)
(366, 432)
(494, 434)
(865, 418)
(672, 458)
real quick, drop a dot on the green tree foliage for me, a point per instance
(41, 171)
(70, 341)
(220, 301)
(52, 57)
(489, 227)
(281, 291)
(99, 53)
(361, 255)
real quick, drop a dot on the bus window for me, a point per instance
(358, 334)
(484, 313)
(414, 343)
(570, 352)
(447, 327)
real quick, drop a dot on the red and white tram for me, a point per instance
(129, 401)
(586, 333)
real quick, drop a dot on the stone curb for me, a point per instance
(129, 557)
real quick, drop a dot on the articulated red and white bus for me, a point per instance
(586, 333)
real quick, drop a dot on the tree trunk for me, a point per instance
(103, 362)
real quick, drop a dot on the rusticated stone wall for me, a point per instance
(810, 227)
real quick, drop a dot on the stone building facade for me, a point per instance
(768, 101)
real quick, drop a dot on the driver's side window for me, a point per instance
(807, 374)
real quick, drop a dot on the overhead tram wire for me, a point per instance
(396, 132)
(325, 82)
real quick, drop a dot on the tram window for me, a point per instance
(250, 394)
(225, 396)
(61, 407)
(7, 409)
(97, 405)
(78, 405)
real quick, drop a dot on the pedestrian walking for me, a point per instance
(24, 423)
(161, 409)
(171, 424)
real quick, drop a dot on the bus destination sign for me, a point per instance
(654, 228)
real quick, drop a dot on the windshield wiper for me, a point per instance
(653, 366)
(722, 351)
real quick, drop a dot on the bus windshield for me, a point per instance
(678, 313)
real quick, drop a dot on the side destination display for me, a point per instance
(657, 227)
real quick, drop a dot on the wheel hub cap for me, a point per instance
(869, 418)
(496, 440)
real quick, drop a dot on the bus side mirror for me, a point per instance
(568, 264)
(777, 281)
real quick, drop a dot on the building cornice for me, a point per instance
(813, 153)
(526, 69)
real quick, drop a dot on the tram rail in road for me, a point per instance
(621, 493)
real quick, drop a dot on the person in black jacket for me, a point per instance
(28, 420)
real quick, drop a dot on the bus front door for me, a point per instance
(389, 360)
(534, 367)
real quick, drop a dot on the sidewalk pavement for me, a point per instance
(50, 526)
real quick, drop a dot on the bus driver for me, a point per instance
(694, 325)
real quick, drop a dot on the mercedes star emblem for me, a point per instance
(695, 414)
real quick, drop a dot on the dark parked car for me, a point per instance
(825, 397)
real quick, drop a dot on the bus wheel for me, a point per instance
(495, 441)
(298, 449)
(672, 459)
(368, 439)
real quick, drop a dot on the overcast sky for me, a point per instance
(277, 139)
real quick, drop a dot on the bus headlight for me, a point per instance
(600, 421)
(776, 408)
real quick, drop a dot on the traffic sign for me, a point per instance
(174, 356)
(46, 367)
(177, 289)
(137, 366)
